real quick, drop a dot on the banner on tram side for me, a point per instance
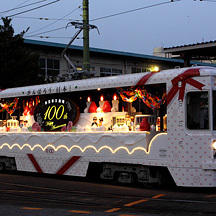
(55, 113)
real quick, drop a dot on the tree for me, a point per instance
(18, 64)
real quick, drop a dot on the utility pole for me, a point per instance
(86, 62)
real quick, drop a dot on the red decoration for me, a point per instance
(6, 106)
(145, 126)
(29, 106)
(185, 78)
(93, 107)
(63, 129)
(26, 111)
(39, 129)
(106, 107)
(145, 78)
(37, 100)
(69, 126)
(126, 107)
(32, 109)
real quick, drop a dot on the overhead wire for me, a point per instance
(52, 37)
(19, 6)
(108, 16)
(22, 3)
(47, 31)
(55, 21)
(16, 7)
(34, 8)
(133, 10)
(209, 0)
(42, 18)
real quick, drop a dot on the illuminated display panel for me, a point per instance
(55, 112)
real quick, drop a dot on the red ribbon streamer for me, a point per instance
(185, 78)
(145, 78)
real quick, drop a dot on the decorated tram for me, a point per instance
(145, 127)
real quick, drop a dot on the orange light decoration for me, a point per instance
(88, 99)
(101, 98)
(26, 111)
(30, 105)
(37, 100)
(115, 103)
(101, 103)
(115, 97)
(5, 106)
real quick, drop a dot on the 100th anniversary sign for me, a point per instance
(54, 113)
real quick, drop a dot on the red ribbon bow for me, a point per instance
(185, 78)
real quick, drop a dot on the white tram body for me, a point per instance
(185, 149)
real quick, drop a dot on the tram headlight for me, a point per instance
(214, 144)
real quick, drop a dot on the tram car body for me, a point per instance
(182, 145)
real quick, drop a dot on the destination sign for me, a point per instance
(54, 113)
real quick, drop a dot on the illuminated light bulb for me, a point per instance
(156, 68)
(115, 104)
(88, 103)
(115, 97)
(101, 102)
(214, 145)
(113, 151)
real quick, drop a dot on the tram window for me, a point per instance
(214, 110)
(197, 110)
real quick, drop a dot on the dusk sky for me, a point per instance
(151, 23)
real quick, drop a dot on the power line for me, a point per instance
(34, 8)
(129, 11)
(19, 6)
(44, 18)
(208, 0)
(22, 3)
(47, 31)
(41, 36)
(55, 21)
(154, 5)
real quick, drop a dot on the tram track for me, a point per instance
(43, 190)
(57, 196)
(37, 200)
(59, 190)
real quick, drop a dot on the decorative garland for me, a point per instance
(7, 106)
(152, 102)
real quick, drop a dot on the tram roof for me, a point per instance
(102, 82)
